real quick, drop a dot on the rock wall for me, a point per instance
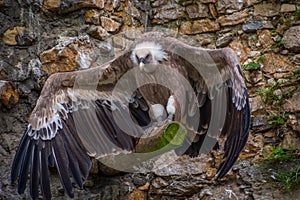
(39, 38)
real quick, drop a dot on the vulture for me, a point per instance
(122, 107)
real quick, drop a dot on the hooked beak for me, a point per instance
(141, 63)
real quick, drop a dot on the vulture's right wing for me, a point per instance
(75, 117)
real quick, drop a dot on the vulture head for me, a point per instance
(147, 55)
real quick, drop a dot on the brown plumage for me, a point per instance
(78, 114)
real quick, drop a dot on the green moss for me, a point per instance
(297, 13)
(171, 138)
(297, 72)
(251, 65)
(254, 65)
(283, 166)
(280, 43)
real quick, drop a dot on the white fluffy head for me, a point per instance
(150, 50)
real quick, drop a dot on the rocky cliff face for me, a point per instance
(39, 38)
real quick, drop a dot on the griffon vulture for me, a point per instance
(110, 109)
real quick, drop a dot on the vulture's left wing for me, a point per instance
(216, 77)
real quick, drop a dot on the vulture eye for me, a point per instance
(147, 58)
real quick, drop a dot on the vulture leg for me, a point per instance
(159, 113)
(171, 108)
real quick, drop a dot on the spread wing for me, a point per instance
(216, 78)
(73, 110)
(76, 103)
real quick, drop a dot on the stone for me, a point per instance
(293, 104)
(287, 8)
(73, 56)
(185, 2)
(267, 9)
(265, 39)
(284, 52)
(260, 121)
(254, 77)
(120, 43)
(92, 17)
(110, 25)
(98, 32)
(9, 36)
(66, 6)
(8, 95)
(49, 55)
(290, 141)
(256, 104)
(208, 1)
(252, 2)
(197, 10)
(240, 50)
(233, 19)
(203, 39)
(229, 6)
(281, 28)
(158, 3)
(177, 187)
(25, 38)
(291, 39)
(55, 61)
(198, 26)
(294, 121)
(180, 165)
(135, 195)
(276, 63)
(296, 59)
(131, 33)
(116, 3)
(253, 146)
(35, 67)
(224, 40)
(167, 13)
(282, 75)
(253, 54)
(253, 27)
(144, 187)
(213, 11)
(132, 10)
(51, 4)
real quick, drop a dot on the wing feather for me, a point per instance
(44, 173)
(62, 164)
(25, 164)
(34, 171)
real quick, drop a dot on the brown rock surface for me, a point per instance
(198, 26)
(110, 25)
(267, 10)
(275, 63)
(197, 10)
(8, 95)
(9, 37)
(293, 104)
(233, 19)
(291, 39)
